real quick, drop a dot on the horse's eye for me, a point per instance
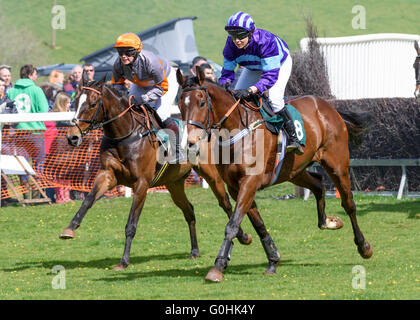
(202, 104)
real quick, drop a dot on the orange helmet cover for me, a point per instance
(129, 39)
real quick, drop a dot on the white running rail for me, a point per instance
(369, 66)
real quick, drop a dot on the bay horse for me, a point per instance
(206, 106)
(416, 67)
(129, 157)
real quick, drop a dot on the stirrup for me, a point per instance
(295, 147)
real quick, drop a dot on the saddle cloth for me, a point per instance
(275, 122)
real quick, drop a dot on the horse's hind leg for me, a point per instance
(177, 191)
(315, 182)
(104, 181)
(339, 173)
(218, 187)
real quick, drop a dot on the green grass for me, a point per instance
(315, 264)
(92, 25)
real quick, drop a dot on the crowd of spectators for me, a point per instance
(24, 96)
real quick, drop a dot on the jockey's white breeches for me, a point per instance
(276, 92)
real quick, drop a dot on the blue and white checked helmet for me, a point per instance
(240, 20)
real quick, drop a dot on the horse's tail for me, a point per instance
(357, 123)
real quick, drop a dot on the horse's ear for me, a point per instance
(180, 77)
(416, 46)
(85, 78)
(101, 82)
(200, 75)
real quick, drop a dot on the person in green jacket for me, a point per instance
(30, 98)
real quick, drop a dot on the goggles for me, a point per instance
(238, 34)
(129, 52)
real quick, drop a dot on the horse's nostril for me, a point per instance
(73, 140)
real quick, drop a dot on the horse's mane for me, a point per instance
(118, 94)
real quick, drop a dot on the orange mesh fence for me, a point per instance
(57, 164)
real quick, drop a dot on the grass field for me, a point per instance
(315, 264)
(92, 25)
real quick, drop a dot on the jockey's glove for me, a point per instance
(145, 98)
(226, 86)
(242, 93)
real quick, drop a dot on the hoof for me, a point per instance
(194, 254)
(246, 239)
(366, 251)
(332, 223)
(67, 234)
(269, 273)
(271, 268)
(119, 267)
(214, 275)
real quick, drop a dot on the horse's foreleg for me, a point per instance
(314, 182)
(244, 201)
(218, 187)
(104, 181)
(139, 197)
(177, 191)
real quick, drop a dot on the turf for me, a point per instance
(315, 264)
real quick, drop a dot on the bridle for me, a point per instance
(95, 124)
(208, 126)
(209, 110)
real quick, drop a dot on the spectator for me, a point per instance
(208, 72)
(197, 61)
(53, 142)
(90, 71)
(6, 75)
(71, 87)
(6, 106)
(30, 98)
(76, 76)
(68, 79)
(56, 79)
(50, 94)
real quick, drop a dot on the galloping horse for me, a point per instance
(416, 67)
(129, 156)
(205, 106)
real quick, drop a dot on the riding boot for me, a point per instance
(293, 144)
(180, 155)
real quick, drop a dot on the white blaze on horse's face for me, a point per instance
(82, 99)
(187, 101)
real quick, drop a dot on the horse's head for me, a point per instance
(89, 110)
(196, 109)
(417, 70)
